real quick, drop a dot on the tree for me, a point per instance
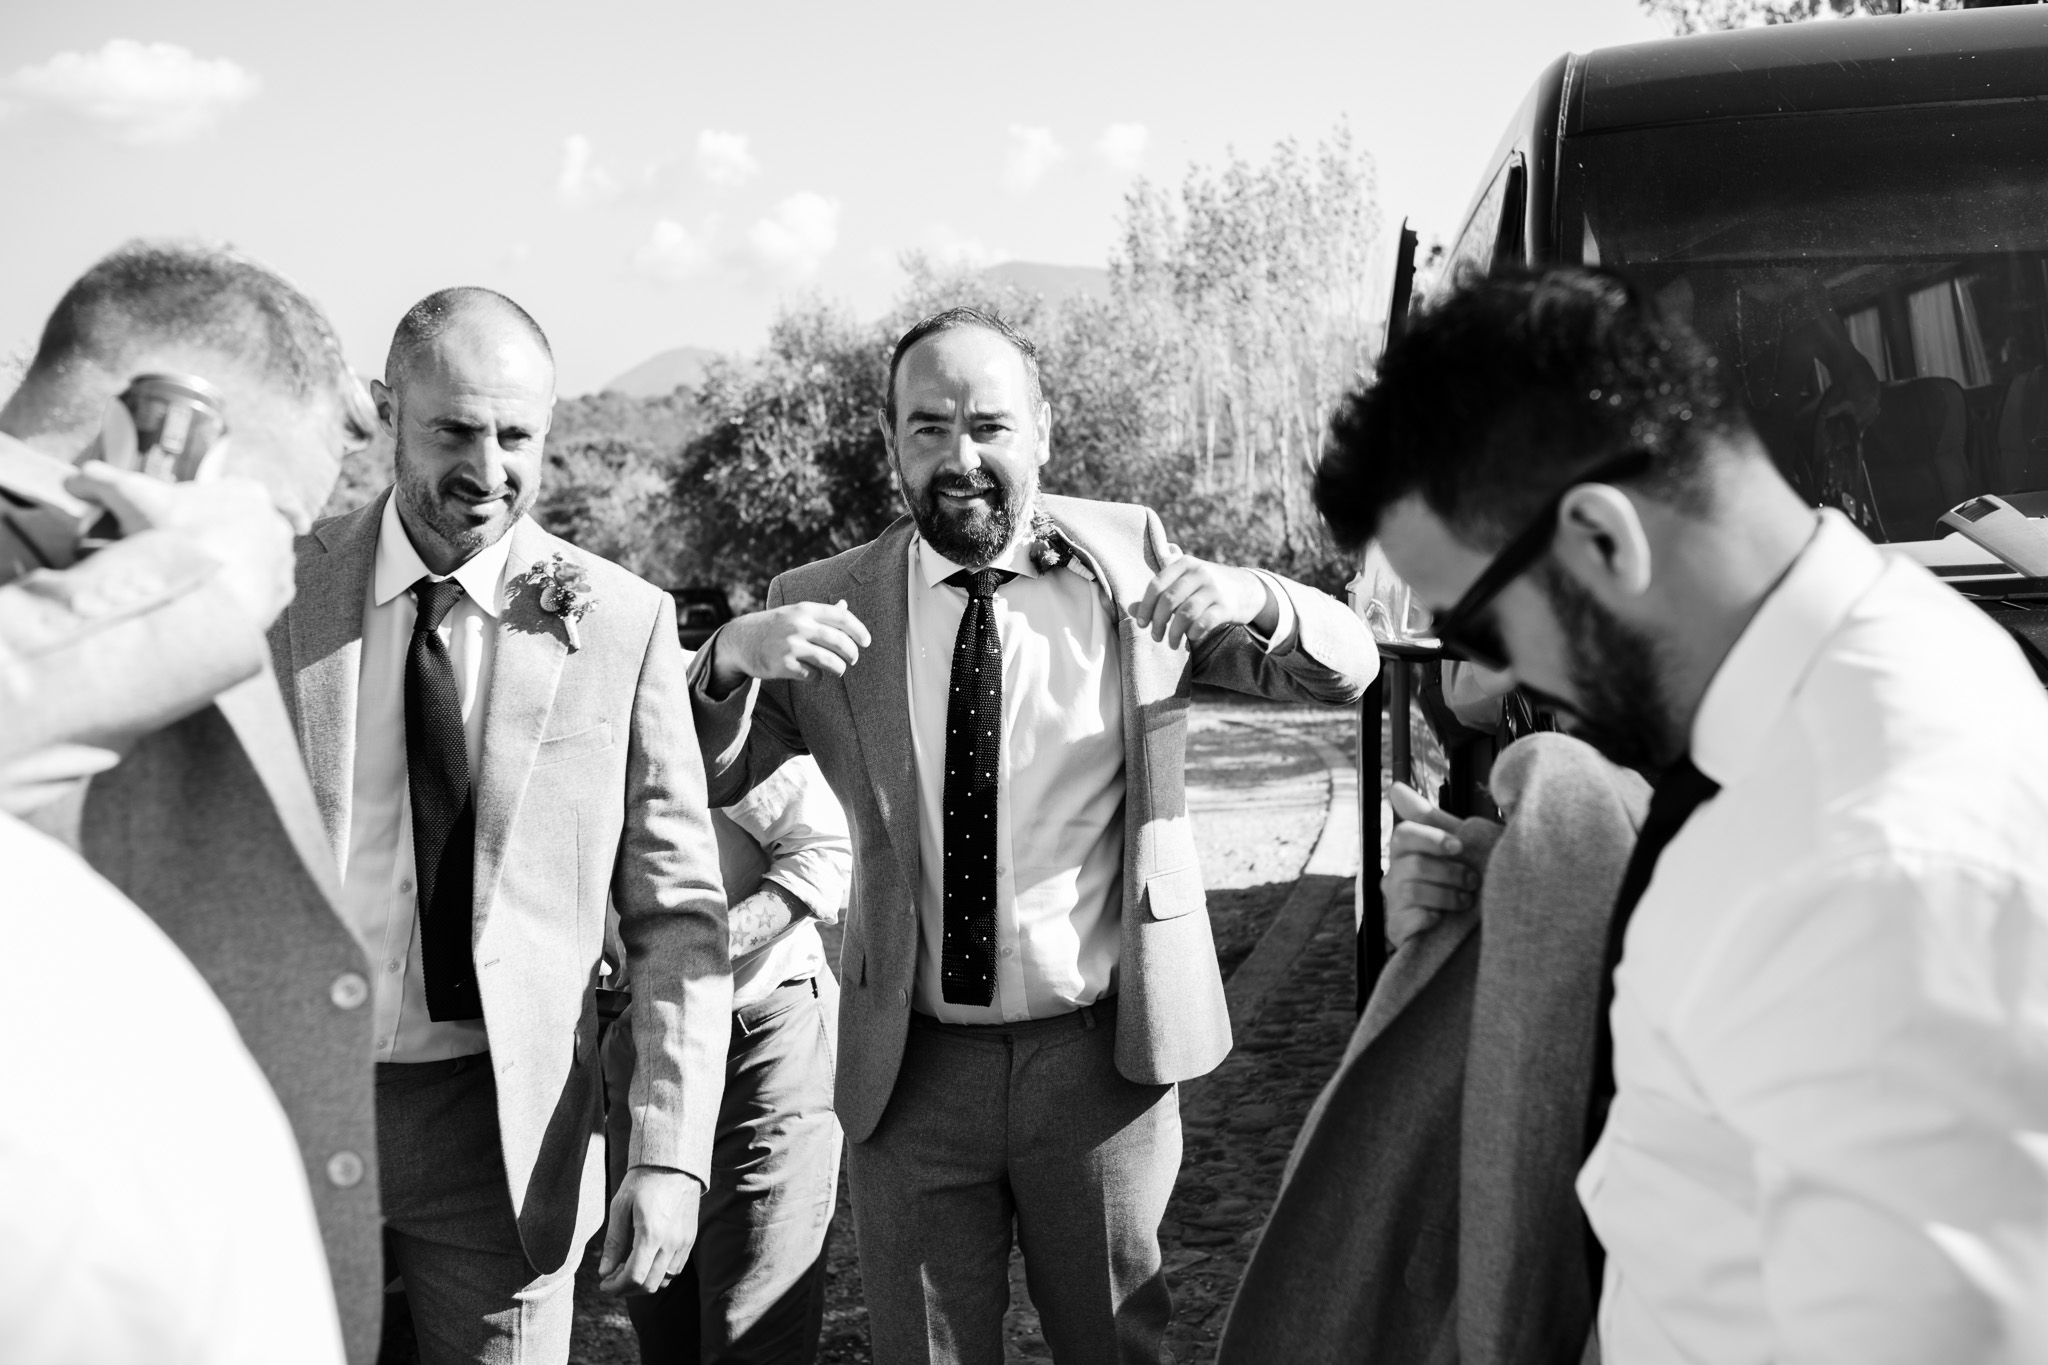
(1697, 16)
(791, 466)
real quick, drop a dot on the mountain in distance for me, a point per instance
(1054, 283)
(664, 374)
(682, 367)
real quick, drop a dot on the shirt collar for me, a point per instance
(399, 565)
(936, 568)
(1775, 652)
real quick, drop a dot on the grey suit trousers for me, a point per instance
(1028, 1123)
(448, 1224)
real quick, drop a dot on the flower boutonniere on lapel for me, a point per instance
(564, 589)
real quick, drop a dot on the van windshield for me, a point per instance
(1875, 282)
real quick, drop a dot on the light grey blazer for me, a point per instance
(1428, 1213)
(591, 786)
(1172, 1022)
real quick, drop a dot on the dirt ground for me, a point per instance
(1258, 793)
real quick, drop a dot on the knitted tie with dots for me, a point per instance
(443, 809)
(974, 747)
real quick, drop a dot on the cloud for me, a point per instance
(143, 94)
(791, 244)
(1033, 151)
(723, 158)
(673, 252)
(947, 247)
(1122, 145)
(582, 180)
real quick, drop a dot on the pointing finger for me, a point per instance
(1410, 804)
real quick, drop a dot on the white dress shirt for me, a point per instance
(1060, 782)
(790, 830)
(153, 1202)
(1831, 1018)
(378, 895)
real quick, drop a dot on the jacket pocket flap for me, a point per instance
(1172, 894)
(562, 748)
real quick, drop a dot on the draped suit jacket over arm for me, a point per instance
(1172, 1021)
(591, 786)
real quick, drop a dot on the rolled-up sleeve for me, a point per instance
(797, 821)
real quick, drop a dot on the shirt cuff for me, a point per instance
(1285, 630)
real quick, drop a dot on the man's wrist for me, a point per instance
(1266, 621)
(721, 675)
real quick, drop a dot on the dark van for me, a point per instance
(1853, 213)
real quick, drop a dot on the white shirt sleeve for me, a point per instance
(1868, 1029)
(1282, 638)
(797, 821)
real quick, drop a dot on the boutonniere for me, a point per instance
(1050, 548)
(564, 591)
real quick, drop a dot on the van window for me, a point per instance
(1472, 253)
(1875, 282)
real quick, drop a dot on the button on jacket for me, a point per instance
(1831, 1014)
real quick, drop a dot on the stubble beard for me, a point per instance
(445, 515)
(1620, 708)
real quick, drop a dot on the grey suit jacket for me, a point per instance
(1172, 1022)
(1428, 1213)
(209, 826)
(591, 786)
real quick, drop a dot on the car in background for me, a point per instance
(1853, 214)
(699, 614)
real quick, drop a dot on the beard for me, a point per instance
(1619, 706)
(969, 536)
(445, 504)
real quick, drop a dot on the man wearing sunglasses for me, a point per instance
(1820, 1056)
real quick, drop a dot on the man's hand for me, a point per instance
(232, 520)
(797, 642)
(1434, 864)
(653, 1224)
(1188, 598)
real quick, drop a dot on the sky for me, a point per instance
(647, 175)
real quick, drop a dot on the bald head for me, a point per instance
(468, 393)
(473, 314)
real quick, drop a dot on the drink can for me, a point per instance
(178, 418)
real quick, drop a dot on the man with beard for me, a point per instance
(499, 741)
(997, 690)
(1820, 1084)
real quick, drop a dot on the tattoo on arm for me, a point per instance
(763, 915)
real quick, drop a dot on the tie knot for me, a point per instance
(437, 597)
(981, 583)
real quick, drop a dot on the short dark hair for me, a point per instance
(947, 320)
(193, 293)
(426, 320)
(1494, 398)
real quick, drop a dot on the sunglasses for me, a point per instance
(1459, 630)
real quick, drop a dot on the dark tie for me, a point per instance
(1680, 791)
(443, 811)
(974, 746)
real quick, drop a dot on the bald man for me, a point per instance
(500, 738)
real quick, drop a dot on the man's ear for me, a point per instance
(387, 407)
(1601, 542)
(1044, 432)
(888, 432)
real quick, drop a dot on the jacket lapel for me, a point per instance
(878, 687)
(325, 622)
(532, 648)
